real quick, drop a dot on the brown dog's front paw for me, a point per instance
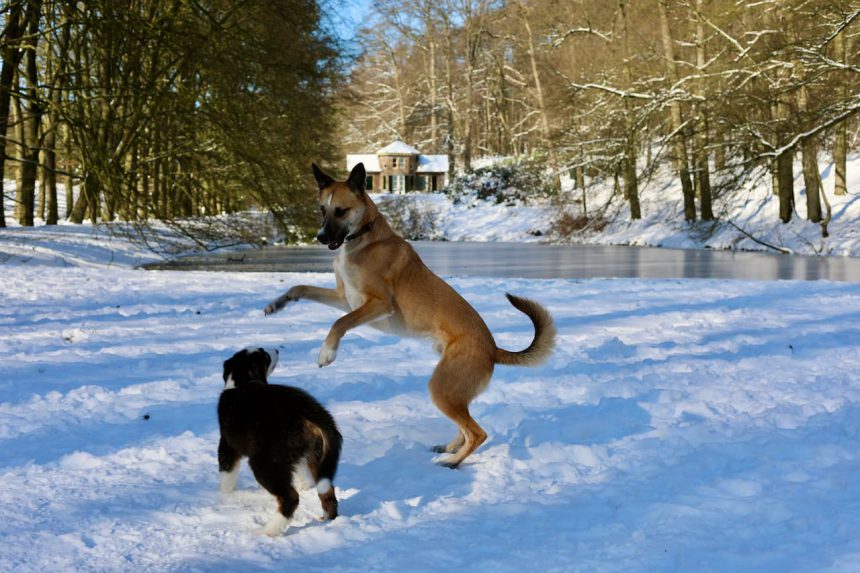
(276, 305)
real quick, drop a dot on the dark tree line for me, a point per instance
(164, 109)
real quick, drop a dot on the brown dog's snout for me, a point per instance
(331, 235)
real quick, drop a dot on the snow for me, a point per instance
(682, 425)
(70, 245)
(426, 163)
(370, 160)
(397, 147)
(478, 220)
(432, 164)
(750, 206)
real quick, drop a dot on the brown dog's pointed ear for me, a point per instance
(323, 180)
(357, 178)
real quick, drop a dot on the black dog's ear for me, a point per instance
(323, 180)
(236, 369)
(230, 370)
(357, 178)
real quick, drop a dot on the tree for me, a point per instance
(677, 123)
(12, 34)
(168, 109)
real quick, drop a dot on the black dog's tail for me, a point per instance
(330, 441)
(331, 444)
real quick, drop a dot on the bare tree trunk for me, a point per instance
(80, 208)
(539, 96)
(42, 197)
(812, 180)
(449, 104)
(631, 182)
(400, 90)
(785, 185)
(467, 117)
(472, 39)
(828, 213)
(32, 120)
(69, 181)
(784, 173)
(811, 176)
(11, 58)
(840, 143)
(56, 73)
(679, 143)
(703, 174)
(433, 122)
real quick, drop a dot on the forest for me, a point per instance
(611, 89)
(163, 110)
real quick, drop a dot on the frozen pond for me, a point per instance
(534, 260)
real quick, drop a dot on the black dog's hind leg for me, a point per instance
(277, 479)
(228, 465)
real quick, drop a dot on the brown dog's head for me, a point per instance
(344, 206)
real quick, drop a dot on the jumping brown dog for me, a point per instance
(381, 281)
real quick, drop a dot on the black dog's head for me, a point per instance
(252, 365)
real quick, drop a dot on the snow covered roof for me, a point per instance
(432, 164)
(397, 147)
(426, 163)
(370, 160)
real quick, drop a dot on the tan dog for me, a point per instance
(381, 281)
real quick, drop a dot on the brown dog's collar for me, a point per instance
(366, 229)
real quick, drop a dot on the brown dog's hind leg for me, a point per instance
(457, 379)
(452, 447)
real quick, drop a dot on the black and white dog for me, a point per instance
(282, 430)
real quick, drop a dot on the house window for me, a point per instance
(421, 180)
(368, 182)
(399, 184)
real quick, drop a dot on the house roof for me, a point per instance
(370, 160)
(432, 164)
(397, 147)
(426, 163)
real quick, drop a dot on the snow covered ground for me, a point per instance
(682, 425)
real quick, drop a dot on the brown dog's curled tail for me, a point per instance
(543, 342)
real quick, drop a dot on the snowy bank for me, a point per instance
(743, 212)
(747, 216)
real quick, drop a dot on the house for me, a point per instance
(399, 168)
